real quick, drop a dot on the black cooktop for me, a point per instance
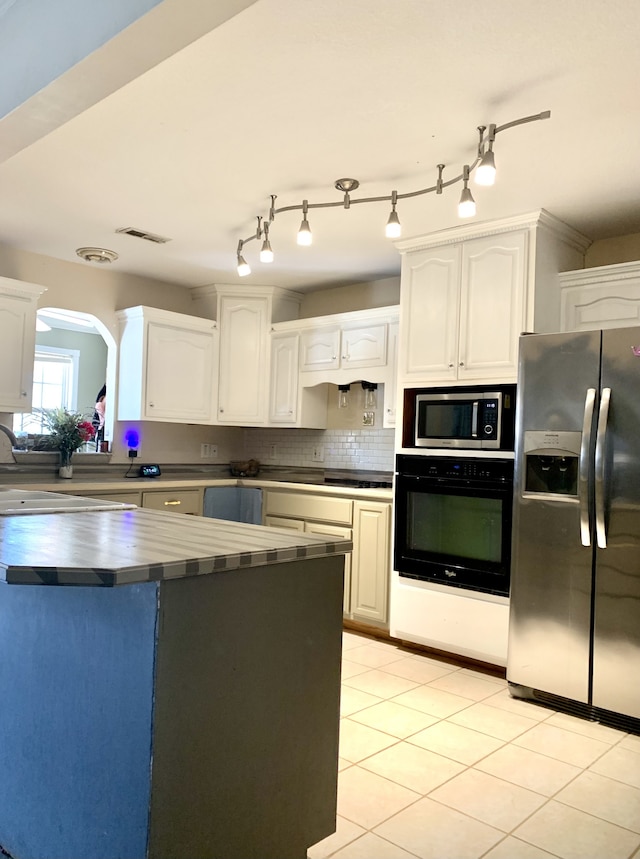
(376, 482)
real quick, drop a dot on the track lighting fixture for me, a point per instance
(483, 165)
(243, 266)
(393, 230)
(486, 170)
(467, 205)
(266, 254)
(304, 233)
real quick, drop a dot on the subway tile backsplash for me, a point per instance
(368, 449)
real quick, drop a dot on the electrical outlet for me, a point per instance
(368, 419)
(318, 453)
(205, 451)
(213, 451)
(273, 451)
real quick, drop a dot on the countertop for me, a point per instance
(121, 547)
(79, 485)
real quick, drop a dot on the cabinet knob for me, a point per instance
(23, 393)
(151, 405)
(221, 411)
(334, 357)
(461, 364)
(450, 366)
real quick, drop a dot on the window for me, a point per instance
(55, 385)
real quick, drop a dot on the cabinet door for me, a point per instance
(17, 349)
(179, 373)
(371, 562)
(283, 388)
(243, 360)
(429, 314)
(492, 306)
(320, 349)
(346, 534)
(364, 347)
(391, 387)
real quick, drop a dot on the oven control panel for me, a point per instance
(451, 468)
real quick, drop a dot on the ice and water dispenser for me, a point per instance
(551, 462)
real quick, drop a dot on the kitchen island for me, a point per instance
(170, 687)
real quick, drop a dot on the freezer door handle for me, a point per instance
(583, 467)
(601, 438)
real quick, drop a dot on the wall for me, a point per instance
(358, 296)
(88, 289)
(346, 443)
(615, 250)
(92, 364)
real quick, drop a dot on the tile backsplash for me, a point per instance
(367, 449)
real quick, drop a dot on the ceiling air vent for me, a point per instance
(141, 234)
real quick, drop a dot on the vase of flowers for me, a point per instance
(67, 432)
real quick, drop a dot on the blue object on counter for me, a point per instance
(234, 503)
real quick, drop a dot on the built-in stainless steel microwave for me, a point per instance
(461, 418)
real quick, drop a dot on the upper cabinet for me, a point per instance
(328, 347)
(166, 366)
(603, 297)
(18, 306)
(245, 316)
(468, 293)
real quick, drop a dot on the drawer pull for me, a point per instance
(171, 503)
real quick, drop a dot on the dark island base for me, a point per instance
(195, 717)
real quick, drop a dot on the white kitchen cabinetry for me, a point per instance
(243, 359)
(332, 348)
(366, 522)
(245, 316)
(391, 386)
(468, 293)
(283, 387)
(166, 363)
(603, 297)
(18, 305)
(370, 561)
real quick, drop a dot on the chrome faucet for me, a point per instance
(14, 443)
(9, 434)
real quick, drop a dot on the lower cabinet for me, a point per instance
(367, 523)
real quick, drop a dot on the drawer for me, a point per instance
(320, 508)
(175, 501)
(123, 497)
(281, 522)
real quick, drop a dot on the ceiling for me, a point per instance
(287, 96)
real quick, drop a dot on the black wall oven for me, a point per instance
(453, 521)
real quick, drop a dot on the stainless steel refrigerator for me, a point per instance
(574, 629)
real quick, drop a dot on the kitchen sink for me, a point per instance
(21, 502)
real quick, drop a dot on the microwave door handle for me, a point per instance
(601, 439)
(583, 467)
(474, 420)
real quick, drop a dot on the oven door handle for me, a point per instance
(474, 420)
(583, 467)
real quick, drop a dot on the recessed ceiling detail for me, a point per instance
(99, 255)
(143, 234)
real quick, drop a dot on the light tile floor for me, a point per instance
(437, 761)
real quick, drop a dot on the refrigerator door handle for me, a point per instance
(603, 418)
(583, 467)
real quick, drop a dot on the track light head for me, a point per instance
(393, 230)
(305, 238)
(486, 170)
(467, 205)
